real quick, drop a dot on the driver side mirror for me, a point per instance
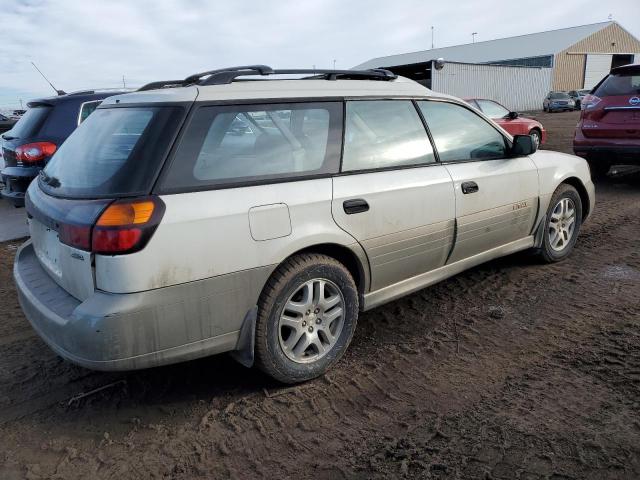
(522, 145)
(512, 115)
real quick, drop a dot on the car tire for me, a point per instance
(561, 225)
(292, 313)
(536, 136)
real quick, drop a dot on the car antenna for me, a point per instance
(59, 92)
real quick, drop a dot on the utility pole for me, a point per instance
(431, 37)
(21, 105)
(124, 85)
(473, 36)
(334, 63)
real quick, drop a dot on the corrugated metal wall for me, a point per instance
(570, 63)
(517, 88)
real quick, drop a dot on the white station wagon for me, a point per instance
(240, 211)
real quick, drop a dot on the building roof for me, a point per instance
(521, 46)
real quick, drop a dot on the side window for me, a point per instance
(384, 133)
(244, 143)
(86, 109)
(461, 135)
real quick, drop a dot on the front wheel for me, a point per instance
(562, 224)
(307, 314)
(536, 137)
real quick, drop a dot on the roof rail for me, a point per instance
(227, 75)
(161, 84)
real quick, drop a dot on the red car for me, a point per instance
(512, 122)
(609, 126)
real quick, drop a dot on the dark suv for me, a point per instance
(48, 122)
(609, 128)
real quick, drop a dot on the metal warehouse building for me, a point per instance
(519, 71)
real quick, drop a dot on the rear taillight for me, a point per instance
(125, 226)
(35, 152)
(589, 102)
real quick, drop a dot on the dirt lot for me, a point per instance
(512, 370)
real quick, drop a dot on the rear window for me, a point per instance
(30, 122)
(115, 152)
(237, 144)
(619, 84)
(559, 95)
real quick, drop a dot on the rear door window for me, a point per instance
(247, 143)
(30, 123)
(619, 84)
(384, 134)
(115, 152)
(460, 135)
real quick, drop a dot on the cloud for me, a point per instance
(92, 44)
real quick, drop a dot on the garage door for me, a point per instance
(597, 67)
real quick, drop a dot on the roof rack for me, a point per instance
(227, 75)
(161, 84)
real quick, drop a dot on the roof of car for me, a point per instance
(631, 68)
(273, 89)
(80, 96)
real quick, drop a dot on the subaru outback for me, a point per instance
(259, 217)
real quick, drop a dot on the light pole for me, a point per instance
(334, 64)
(431, 37)
(473, 36)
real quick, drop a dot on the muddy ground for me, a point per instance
(513, 370)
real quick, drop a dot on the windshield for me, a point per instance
(620, 84)
(115, 152)
(492, 109)
(29, 123)
(559, 95)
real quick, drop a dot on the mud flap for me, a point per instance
(539, 235)
(243, 354)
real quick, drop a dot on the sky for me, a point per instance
(82, 44)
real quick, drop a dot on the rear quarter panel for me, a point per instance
(209, 233)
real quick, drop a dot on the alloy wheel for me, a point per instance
(311, 320)
(562, 224)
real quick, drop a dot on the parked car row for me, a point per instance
(30, 141)
(260, 217)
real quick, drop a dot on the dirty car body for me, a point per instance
(131, 267)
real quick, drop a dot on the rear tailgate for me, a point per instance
(613, 110)
(49, 219)
(614, 117)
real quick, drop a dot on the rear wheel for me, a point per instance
(307, 314)
(562, 224)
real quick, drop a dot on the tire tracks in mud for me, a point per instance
(435, 384)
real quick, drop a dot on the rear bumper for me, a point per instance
(16, 181)
(130, 331)
(609, 149)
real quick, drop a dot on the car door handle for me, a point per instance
(357, 205)
(469, 187)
